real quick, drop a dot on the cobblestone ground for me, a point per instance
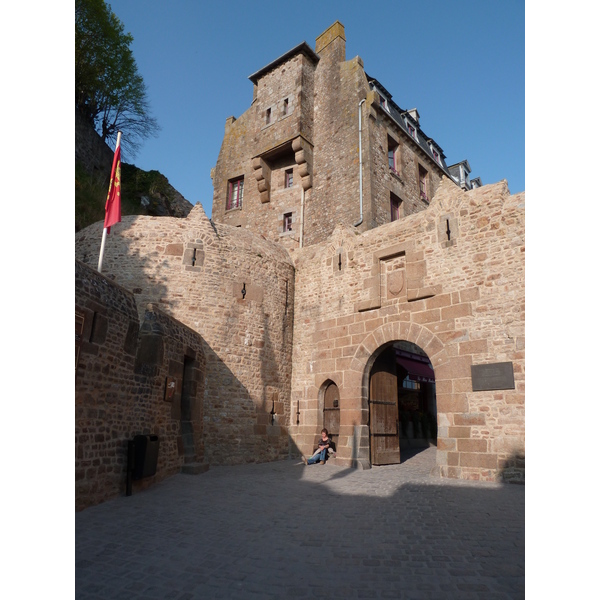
(283, 530)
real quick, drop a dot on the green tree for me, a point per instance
(109, 91)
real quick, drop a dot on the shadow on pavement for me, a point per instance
(283, 530)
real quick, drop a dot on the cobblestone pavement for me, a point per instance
(283, 530)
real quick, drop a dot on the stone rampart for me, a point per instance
(122, 378)
(235, 289)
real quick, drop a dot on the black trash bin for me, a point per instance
(142, 456)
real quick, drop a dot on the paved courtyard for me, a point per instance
(283, 530)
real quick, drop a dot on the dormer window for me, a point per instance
(383, 102)
(436, 155)
(411, 130)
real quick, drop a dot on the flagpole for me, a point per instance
(106, 228)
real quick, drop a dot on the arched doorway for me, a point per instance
(402, 402)
(331, 410)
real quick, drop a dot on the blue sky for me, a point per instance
(461, 64)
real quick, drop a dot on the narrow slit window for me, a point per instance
(285, 106)
(392, 150)
(287, 222)
(289, 178)
(268, 115)
(423, 184)
(395, 206)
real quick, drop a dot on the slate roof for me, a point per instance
(302, 47)
(398, 115)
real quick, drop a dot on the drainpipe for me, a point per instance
(360, 160)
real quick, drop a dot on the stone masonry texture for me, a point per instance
(120, 377)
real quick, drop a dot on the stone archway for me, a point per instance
(355, 410)
(330, 404)
(402, 403)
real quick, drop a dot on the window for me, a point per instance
(268, 115)
(285, 106)
(411, 130)
(408, 384)
(423, 183)
(287, 222)
(235, 193)
(289, 178)
(435, 155)
(392, 147)
(395, 206)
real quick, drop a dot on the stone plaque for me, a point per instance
(495, 376)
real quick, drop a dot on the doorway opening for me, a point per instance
(402, 402)
(331, 411)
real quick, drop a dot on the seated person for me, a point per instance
(321, 452)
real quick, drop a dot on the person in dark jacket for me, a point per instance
(320, 454)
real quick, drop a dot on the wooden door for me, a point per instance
(331, 412)
(383, 410)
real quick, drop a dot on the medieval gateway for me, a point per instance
(348, 278)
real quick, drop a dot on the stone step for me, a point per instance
(195, 468)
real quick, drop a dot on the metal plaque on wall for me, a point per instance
(494, 376)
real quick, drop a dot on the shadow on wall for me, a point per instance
(513, 470)
(236, 430)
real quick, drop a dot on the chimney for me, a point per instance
(332, 39)
(414, 113)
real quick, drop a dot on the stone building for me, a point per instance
(348, 278)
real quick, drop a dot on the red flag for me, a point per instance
(113, 200)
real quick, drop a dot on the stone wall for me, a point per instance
(381, 134)
(261, 148)
(236, 290)
(459, 296)
(120, 382)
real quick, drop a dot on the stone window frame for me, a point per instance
(287, 218)
(240, 194)
(395, 205)
(423, 181)
(287, 104)
(288, 180)
(393, 146)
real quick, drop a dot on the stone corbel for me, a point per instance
(304, 159)
(262, 172)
